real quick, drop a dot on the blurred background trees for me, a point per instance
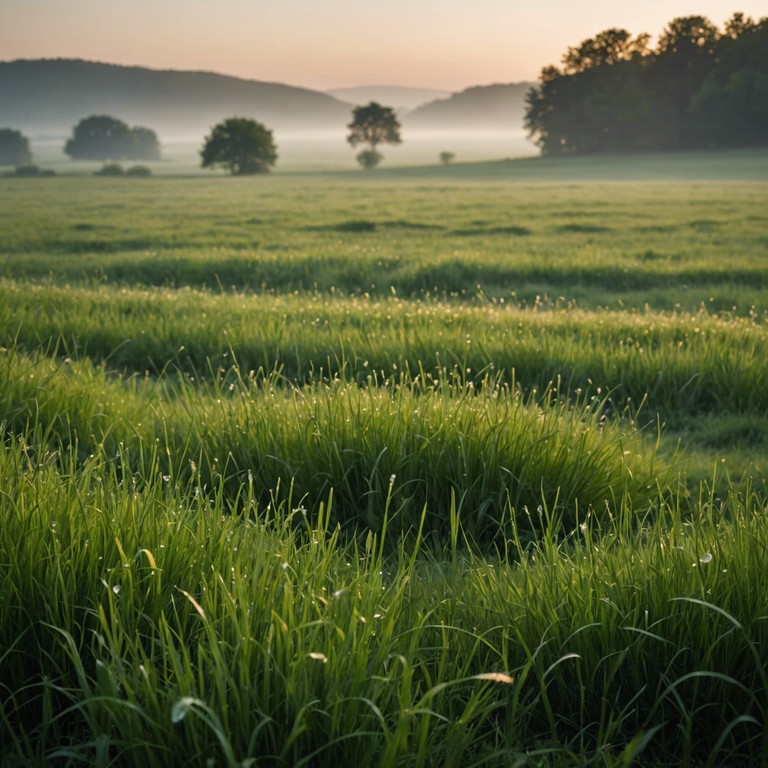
(698, 88)
(373, 125)
(101, 137)
(242, 146)
(14, 148)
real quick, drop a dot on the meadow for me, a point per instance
(431, 466)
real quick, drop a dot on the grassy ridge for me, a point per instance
(682, 363)
(410, 444)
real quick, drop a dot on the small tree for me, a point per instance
(446, 158)
(243, 146)
(101, 137)
(373, 125)
(14, 148)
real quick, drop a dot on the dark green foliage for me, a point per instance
(373, 125)
(14, 148)
(110, 169)
(242, 146)
(698, 88)
(369, 158)
(138, 170)
(731, 108)
(32, 170)
(101, 137)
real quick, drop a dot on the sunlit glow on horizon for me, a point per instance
(444, 44)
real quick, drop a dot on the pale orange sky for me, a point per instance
(447, 44)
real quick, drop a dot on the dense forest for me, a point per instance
(700, 87)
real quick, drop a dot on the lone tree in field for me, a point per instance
(101, 137)
(14, 148)
(373, 125)
(243, 146)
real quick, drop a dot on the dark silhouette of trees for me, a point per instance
(731, 107)
(14, 148)
(606, 48)
(684, 55)
(243, 146)
(144, 144)
(373, 125)
(101, 137)
(698, 88)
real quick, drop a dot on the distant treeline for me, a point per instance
(699, 88)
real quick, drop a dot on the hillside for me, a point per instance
(400, 97)
(486, 107)
(48, 96)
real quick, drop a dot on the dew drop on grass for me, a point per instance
(706, 558)
(116, 589)
(180, 709)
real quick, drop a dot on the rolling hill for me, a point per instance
(400, 97)
(48, 96)
(498, 107)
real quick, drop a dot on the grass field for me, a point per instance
(430, 466)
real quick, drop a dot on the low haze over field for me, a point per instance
(447, 45)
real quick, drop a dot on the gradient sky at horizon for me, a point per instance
(446, 44)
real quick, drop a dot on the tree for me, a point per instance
(14, 148)
(731, 108)
(698, 88)
(243, 146)
(685, 54)
(446, 158)
(609, 47)
(101, 137)
(373, 125)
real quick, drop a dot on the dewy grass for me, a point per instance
(681, 363)
(141, 623)
(612, 244)
(325, 471)
(442, 440)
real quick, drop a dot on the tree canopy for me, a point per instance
(14, 147)
(243, 146)
(101, 137)
(373, 125)
(699, 87)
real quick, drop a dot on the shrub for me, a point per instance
(138, 170)
(110, 169)
(369, 158)
(27, 170)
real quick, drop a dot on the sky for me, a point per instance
(324, 44)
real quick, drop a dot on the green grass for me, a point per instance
(414, 445)
(433, 466)
(617, 244)
(141, 621)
